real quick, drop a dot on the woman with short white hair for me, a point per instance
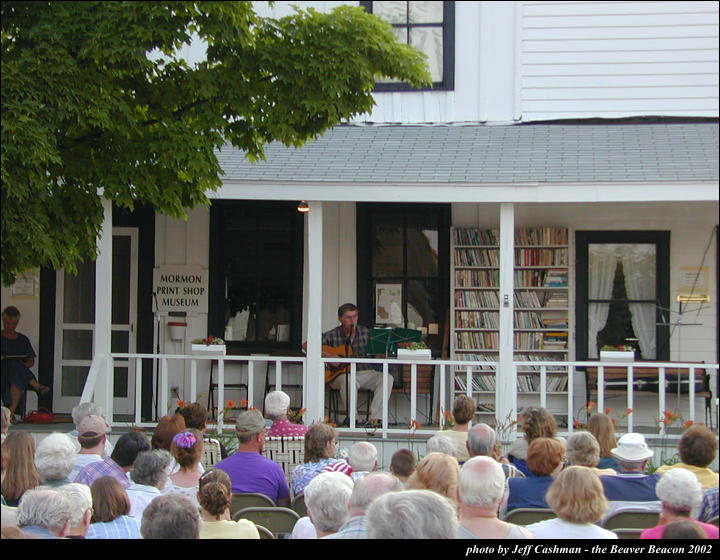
(680, 492)
(54, 459)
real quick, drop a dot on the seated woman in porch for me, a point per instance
(545, 460)
(18, 357)
(320, 444)
(601, 426)
(536, 422)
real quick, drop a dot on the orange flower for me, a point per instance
(181, 404)
(666, 421)
(448, 418)
(628, 412)
(689, 423)
(590, 405)
(612, 420)
(668, 414)
(576, 424)
(230, 404)
(415, 425)
(243, 402)
(302, 411)
(608, 410)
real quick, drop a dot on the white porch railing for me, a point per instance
(445, 371)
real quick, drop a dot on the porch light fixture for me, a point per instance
(303, 206)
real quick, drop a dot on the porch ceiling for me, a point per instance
(526, 156)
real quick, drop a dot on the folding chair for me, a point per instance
(631, 519)
(527, 516)
(288, 452)
(264, 532)
(298, 505)
(279, 520)
(628, 533)
(249, 499)
(211, 453)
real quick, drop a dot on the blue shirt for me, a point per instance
(122, 527)
(528, 492)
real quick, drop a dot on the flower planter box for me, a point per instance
(422, 354)
(616, 356)
(218, 349)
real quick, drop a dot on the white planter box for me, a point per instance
(208, 349)
(406, 354)
(616, 356)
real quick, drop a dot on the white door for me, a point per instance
(75, 326)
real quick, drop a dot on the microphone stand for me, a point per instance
(347, 376)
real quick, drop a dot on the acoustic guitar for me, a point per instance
(331, 372)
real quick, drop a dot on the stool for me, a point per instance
(334, 409)
(211, 390)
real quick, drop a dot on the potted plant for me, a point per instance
(413, 351)
(210, 344)
(619, 353)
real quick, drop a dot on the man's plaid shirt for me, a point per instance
(336, 337)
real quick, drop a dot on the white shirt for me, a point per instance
(304, 529)
(140, 497)
(560, 529)
(81, 461)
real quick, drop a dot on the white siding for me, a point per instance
(616, 59)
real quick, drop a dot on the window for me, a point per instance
(403, 259)
(428, 26)
(623, 292)
(256, 256)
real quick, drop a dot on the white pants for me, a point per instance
(365, 379)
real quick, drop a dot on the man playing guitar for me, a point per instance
(351, 339)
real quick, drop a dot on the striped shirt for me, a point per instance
(122, 527)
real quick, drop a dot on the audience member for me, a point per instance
(196, 416)
(187, 450)
(249, 470)
(601, 426)
(326, 499)
(165, 431)
(215, 497)
(277, 408)
(402, 465)
(120, 461)
(320, 443)
(111, 509)
(537, 422)
(9, 514)
(81, 507)
(79, 413)
(463, 412)
(679, 492)
(21, 474)
(576, 496)
(544, 463)
(440, 443)
(411, 514)
(697, 447)
(481, 486)
(170, 516)
(583, 450)
(55, 459)
(44, 513)
(149, 474)
(483, 442)
(437, 472)
(686, 529)
(5, 423)
(709, 507)
(631, 488)
(362, 459)
(364, 492)
(92, 436)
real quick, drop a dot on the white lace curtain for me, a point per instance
(638, 262)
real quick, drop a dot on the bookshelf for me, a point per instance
(540, 310)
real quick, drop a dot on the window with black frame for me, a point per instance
(256, 255)
(403, 267)
(427, 26)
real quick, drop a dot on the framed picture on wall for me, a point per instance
(388, 304)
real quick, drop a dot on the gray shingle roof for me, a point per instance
(537, 153)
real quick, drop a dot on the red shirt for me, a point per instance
(285, 428)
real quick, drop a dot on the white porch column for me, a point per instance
(315, 396)
(506, 396)
(103, 310)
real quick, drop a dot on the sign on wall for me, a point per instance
(181, 288)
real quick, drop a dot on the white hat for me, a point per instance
(632, 447)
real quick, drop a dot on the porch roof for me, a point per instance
(480, 154)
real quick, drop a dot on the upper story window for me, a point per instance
(428, 26)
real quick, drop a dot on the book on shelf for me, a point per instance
(556, 277)
(486, 407)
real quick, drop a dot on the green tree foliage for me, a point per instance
(96, 100)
